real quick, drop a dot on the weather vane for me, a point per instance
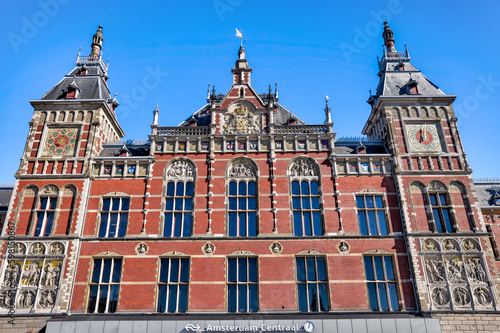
(240, 34)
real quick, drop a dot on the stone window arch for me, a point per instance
(242, 198)
(46, 211)
(305, 193)
(179, 193)
(458, 187)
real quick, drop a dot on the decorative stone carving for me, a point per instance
(26, 299)
(276, 248)
(430, 245)
(309, 252)
(475, 271)
(469, 245)
(208, 248)
(241, 121)
(108, 253)
(30, 191)
(449, 245)
(12, 274)
(435, 270)
(436, 186)
(57, 249)
(52, 272)
(32, 273)
(174, 253)
(344, 246)
(6, 299)
(440, 296)
(141, 248)
(50, 189)
(461, 296)
(241, 169)
(47, 299)
(378, 251)
(482, 296)
(37, 248)
(242, 253)
(303, 167)
(180, 169)
(455, 270)
(19, 248)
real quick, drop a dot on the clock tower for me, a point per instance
(416, 121)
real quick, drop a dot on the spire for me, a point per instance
(97, 43)
(156, 113)
(276, 91)
(328, 111)
(388, 38)
(241, 71)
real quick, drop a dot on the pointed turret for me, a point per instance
(388, 38)
(241, 71)
(156, 114)
(97, 43)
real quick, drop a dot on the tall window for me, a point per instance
(105, 285)
(371, 215)
(306, 208)
(45, 215)
(114, 217)
(242, 285)
(178, 209)
(173, 285)
(242, 209)
(312, 284)
(440, 205)
(381, 283)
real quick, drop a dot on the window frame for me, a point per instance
(440, 208)
(385, 281)
(45, 212)
(317, 283)
(174, 211)
(375, 209)
(245, 211)
(100, 283)
(111, 211)
(237, 283)
(169, 283)
(310, 210)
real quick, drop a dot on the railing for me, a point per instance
(80, 60)
(394, 56)
(486, 180)
(301, 129)
(187, 130)
(129, 142)
(357, 139)
(6, 185)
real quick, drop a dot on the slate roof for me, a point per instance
(485, 192)
(393, 82)
(203, 117)
(113, 150)
(5, 194)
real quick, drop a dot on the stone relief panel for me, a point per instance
(454, 269)
(181, 169)
(304, 167)
(242, 169)
(241, 120)
(30, 280)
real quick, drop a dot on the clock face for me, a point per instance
(61, 141)
(423, 137)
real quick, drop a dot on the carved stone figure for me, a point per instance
(483, 296)
(469, 245)
(32, 274)
(241, 121)
(208, 248)
(57, 248)
(142, 248)
(429, 245)
(303, 168)
(461, 296)
(343, 246)
(38, 248)
(47, 299)
(440, 296)
(7, 298)
(11, 276)
(52, 273)
(455, 271)
(241, 169)
(26, 299)
(478, 269)
(19, 248)
(436, 186)
(434, 270)
(180, 169)
(276, 247)
(449, 245)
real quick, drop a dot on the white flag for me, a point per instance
(239, 34)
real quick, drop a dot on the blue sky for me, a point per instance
(309, 49)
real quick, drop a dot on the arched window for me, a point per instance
(242, 199)
(440, 205)
(178, 214)
(306, 207)
(46, 211)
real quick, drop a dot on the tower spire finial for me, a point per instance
(328, 111)
(388, 38)
(97, 43)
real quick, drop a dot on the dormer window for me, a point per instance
(401, 67)
(412, 89)
(496, 200)
(292, 121)
(83, 71)
(71, 92)
(192, 123)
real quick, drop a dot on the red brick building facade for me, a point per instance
(244, 218)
